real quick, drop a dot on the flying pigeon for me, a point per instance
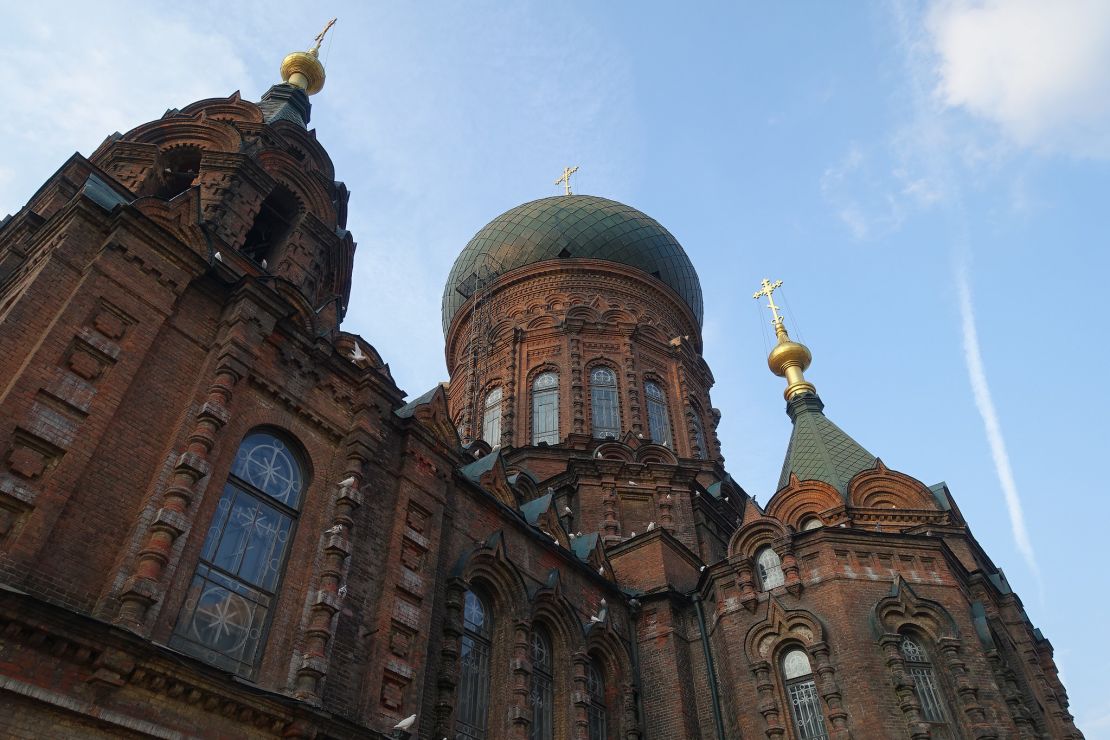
(347, 483)
(357, 355)
(406, 723)
(219, 257)
(651, 526)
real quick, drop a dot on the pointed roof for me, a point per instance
(819, 449)
(285, 102)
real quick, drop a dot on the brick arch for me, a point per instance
(541, 322)
(297, 136)
(881, 487)
(285, 168)
(615, 450)
(764, 639)
(207, 133)
(653, 453)
(489, 566)
(801, 499)
(552, 611)
(903, 608)
(754, 534)
(231, 108)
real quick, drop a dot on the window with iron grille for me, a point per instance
(227, 610)
(474, 655)
(603, 403)
(770, 568)
(805, 705)
(545, 409)
(658, 425)
(542, 696)
(491, 418)
(595, 710)
(925, 681)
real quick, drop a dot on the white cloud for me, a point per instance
(983, 401)
(1037, 69)
(81, 74)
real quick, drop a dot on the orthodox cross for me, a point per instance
(565, 179)
(767, 290)
(320, 36)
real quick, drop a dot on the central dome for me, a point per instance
(571, 226)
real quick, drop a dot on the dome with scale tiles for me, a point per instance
(571, 226)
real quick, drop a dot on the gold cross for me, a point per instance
(320, 36)
(767, 289)
(565, 179)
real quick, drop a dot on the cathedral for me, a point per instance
(220, 517)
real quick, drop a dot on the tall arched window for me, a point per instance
(925, 684)
(702, 450)
(603, 402)
(491, 418)
(474, 653)
(770, 568)
(542, 696)
(805, 706)
(658, 425)
(595, 710)
(545, 408)
(273, 223)
(226, 614)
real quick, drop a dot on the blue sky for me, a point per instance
(929, 180)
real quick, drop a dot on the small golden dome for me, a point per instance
(303, 69)
(787, 354)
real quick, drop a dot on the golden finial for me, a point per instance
(303, 68)
(565, 179)
(788, 359)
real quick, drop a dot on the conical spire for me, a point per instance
(819, 449)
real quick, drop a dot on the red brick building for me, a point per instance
(219, 517)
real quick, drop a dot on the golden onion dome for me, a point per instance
(788, 353)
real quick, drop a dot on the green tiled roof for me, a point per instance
(819, 449)
(569, 226)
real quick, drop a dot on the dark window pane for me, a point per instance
(604, 403)
(545, 409)
(658, 425)
(474, 654)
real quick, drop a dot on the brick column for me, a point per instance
(580, 697)
(328, 598)
(966, 690)
(520, 709)
(903, 686)
(829, 689)
(768, 705)
(145, 588)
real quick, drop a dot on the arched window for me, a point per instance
(925, 684)
(811, 522)
(226, 614)
(180, 167)
(805, 707)
(658, 426)
(272, 224)
(542, 696)
(491, 418)
(603, 402)
(702, 450)
(545, 409)
(595, 710)
(770, 568)
(473, 709)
